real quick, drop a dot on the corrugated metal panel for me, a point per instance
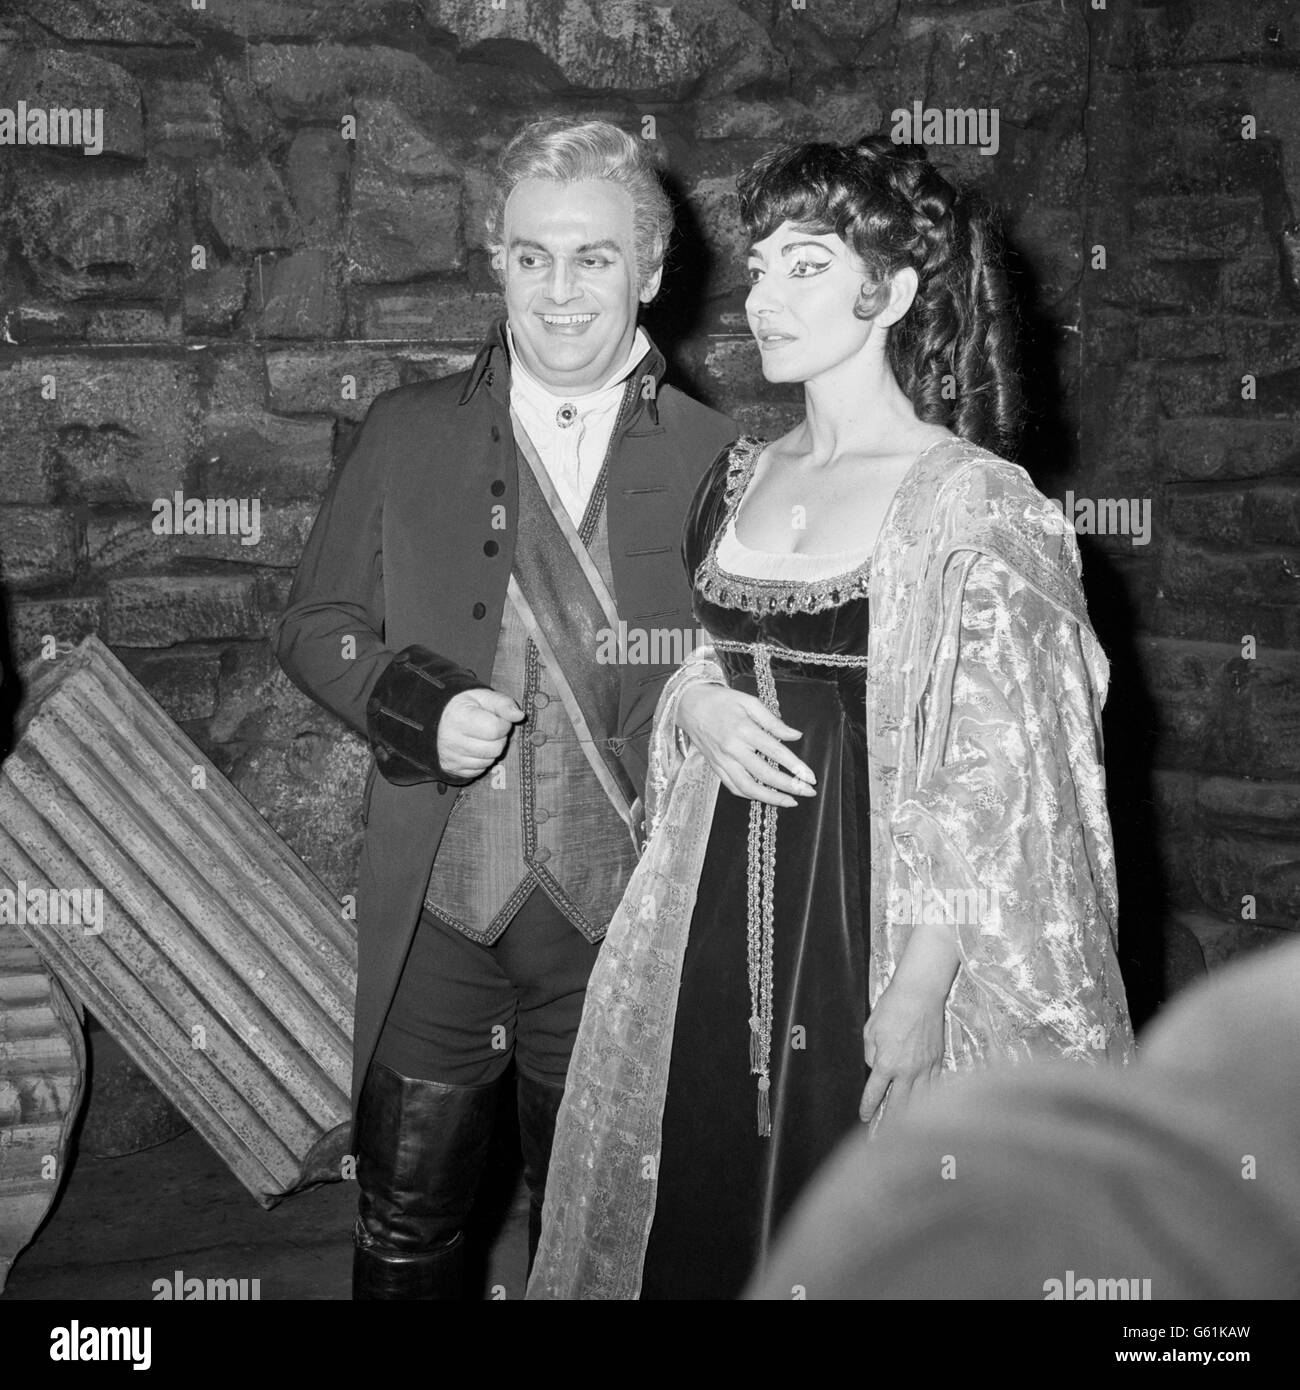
(224, 967)
(42, 1070)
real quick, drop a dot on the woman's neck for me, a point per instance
(858, 408)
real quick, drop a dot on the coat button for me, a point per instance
(496, 434)
(489, 376)
(490, 547)
(442, 788)
(537, 739)
(541, 856)
(498, 488)
(539, 815)
(479, 609)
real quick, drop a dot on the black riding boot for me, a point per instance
(538, 1106)
(421, 1147)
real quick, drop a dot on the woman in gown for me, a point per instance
(878, 842)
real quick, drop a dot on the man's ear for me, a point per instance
(902, 291)
(651, 286)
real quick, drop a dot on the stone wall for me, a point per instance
(286, 219)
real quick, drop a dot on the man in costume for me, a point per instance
(484, 536)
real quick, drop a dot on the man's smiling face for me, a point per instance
(570, 276)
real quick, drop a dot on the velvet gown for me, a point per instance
(722, 1189)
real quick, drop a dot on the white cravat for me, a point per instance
(571, 454)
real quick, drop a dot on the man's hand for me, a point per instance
(473, 730)
(731, 729)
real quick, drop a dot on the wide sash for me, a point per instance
(564, 603)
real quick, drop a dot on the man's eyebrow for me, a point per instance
(606, 245)
(794, 246)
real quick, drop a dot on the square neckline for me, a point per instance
(734, 499)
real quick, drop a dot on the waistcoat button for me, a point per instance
(479, 609)
(490, 547)
(498, 488)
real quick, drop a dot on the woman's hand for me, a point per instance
(903, 1038)
(731, 729)
(903, 1046)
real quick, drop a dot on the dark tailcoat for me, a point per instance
(408, 560)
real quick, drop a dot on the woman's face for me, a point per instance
(803, 287)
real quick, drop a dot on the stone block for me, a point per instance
(120, 427)
(1132, 281)
(1197, 229)
(46, 78)
(1188, 570)
(66, 621)
(437, 312)
(250, 452)
(322, 81)
(38, 545)
(269, 533)
(1218, 618)
(633, 46)
(1210, 31)
(1176, 337)
(1222, 712)
(214, 298)
(182, 118)
(314, 382)
(1217, 515)
(98, 232)
(1273, 510)
(182, 679)
(109, 22)
(301, 296)
(267, 456)
(249, 209)
(163, 610)
(300, 19)
(406, 200)
(317, 174)
(1029, 61)
(1049, 240)
(1201, 447)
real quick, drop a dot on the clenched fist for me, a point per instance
(473, 730)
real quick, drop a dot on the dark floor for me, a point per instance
(122, 1223)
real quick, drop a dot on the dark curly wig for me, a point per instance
(953, 352)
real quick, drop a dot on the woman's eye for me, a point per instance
(803, 269)
(753, 272)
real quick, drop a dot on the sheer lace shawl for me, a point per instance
(984, 698)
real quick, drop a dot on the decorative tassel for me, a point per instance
(761, 884)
